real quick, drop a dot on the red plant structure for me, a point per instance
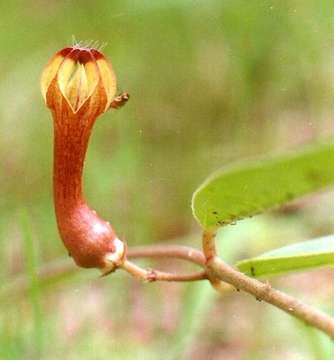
(78, 84)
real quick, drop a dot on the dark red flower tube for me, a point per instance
(78, 85)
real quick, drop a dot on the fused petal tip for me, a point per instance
(77, 72)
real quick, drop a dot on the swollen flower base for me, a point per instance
(78, 85)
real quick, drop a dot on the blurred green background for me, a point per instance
(211, 82)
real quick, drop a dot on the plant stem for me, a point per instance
(156, 275)
(168, 251)
(218, 270)
(263, 291)
(208, 244)
(165, 251)
(209, 250)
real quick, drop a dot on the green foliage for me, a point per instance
(34, 293)
(245, 190)
(299, 256)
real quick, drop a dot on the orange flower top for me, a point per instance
(78, 72)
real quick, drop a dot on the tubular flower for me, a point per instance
(78, 84)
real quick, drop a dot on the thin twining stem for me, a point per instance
(165, 251)
(263, 291)
(168, 251)
(156, 275)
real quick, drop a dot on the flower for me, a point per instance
(79, 74)
(78, 84)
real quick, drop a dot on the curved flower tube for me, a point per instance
(78, 84)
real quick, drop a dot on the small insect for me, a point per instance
(120, 100)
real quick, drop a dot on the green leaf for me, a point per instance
(236, 192)
(300, 256)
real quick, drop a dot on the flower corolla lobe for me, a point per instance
(78, 75)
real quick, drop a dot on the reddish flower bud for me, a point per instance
(78, 84)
